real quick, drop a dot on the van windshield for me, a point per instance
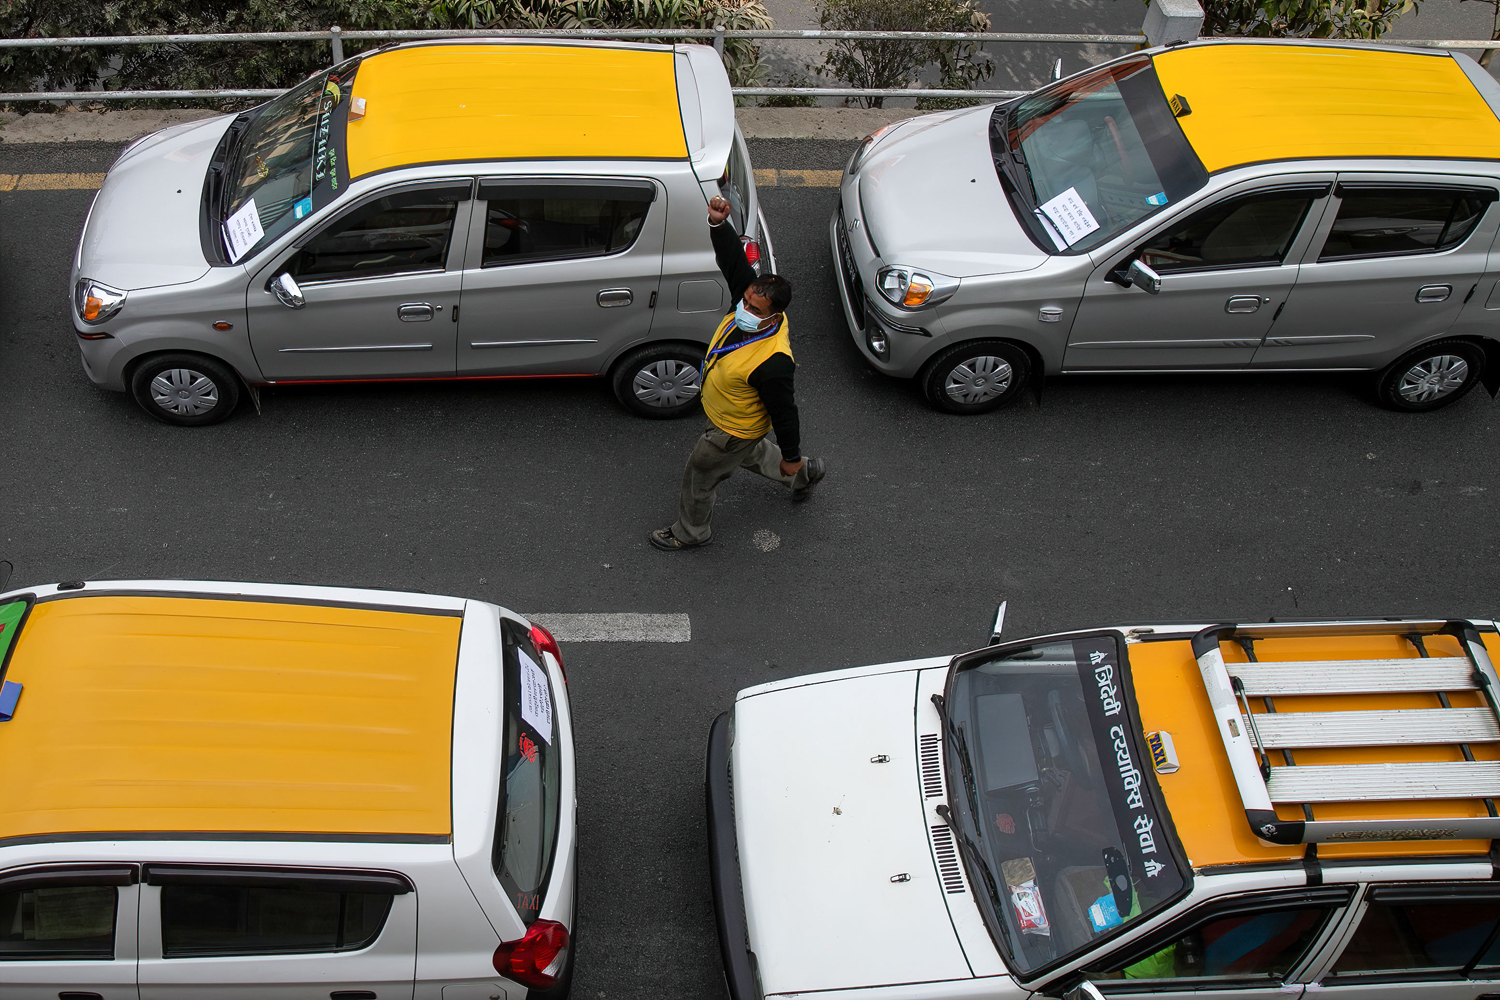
(1064, 839)
(1095, 154)
(288, 162)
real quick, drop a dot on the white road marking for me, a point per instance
(627, 627)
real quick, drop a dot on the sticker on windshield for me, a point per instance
(303, 208)
(1070, 216)
(1158, 199)
(242, 231)
(536, 700)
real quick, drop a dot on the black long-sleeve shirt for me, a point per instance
(772, 378)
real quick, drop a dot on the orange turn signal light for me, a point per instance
(916, 293)
(91, 307)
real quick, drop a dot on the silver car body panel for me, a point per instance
(573, 316)
(926, 195)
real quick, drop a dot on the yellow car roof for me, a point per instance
(1202, 796)
(144, 714)
(1253, 102)
(496, 101)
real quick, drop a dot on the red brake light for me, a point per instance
(537, 960)
(752, 249)
(542, 640)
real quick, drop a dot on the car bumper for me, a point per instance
(724, 869)
(910, 345)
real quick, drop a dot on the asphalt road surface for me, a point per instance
(1106, 499)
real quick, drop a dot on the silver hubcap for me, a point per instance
(1433, 378)
(979, 379)
(184, 392)
(667, 383)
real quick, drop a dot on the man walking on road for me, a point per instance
(747, 392)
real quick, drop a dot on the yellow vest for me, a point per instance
(731, 402)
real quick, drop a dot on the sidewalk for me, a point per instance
(124, 126)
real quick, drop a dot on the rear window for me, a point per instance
(526, 827)
(1382, 222)
(199, 920)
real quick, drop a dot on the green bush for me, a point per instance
(741, 55)
(895, 64)
(257, 65)
(184, 67)
(1367, 19)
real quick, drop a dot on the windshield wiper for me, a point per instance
(973, 852)
(961, 748)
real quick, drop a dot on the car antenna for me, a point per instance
(999, 625)
(6, 569)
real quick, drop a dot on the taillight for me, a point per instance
(542, 640)
(538, 958)
(752, 249)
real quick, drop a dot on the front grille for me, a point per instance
(930, 750)
(853, 291)
(949, 870)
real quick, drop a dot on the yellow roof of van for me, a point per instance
(1257, 101)
(497, 101)
(198, 715)
(1202, 796)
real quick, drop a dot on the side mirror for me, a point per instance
(1143, 277)
(287, 292)
(1083, 991)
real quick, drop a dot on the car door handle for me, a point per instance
(78, 995)
(352, 995)
(1434, 293)
(416, 312)
(1242, 304)
(611, 298)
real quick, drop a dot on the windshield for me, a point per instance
(530, 778)
(288, 162)
(1055, 801)
(1097, 154)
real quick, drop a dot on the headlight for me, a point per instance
(96, 302)
(865, 146)
(912, 289)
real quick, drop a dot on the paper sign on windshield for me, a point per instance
(1070, 216)
(242, 231)
(536, 700)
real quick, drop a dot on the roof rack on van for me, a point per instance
(1250, 737)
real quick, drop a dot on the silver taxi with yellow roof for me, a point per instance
(251, 791)
(1217, 206)
(1209, 811)
(476, 209)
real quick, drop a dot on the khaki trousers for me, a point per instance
(714, 459)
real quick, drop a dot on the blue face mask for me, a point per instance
(745, 319)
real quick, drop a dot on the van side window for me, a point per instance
(58, 922)
(397, 234)
(525, 223)
(1377, 222)
(1396, 936)
(1254, 230)
(206, 919)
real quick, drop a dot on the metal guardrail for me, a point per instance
(336, 36)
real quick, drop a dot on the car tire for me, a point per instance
(188, 390)
(976, 377)
(659, 381)
(1431, 377)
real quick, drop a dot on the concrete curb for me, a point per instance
(122, 126)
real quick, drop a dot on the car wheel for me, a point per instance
(976, 377)
(189, 390)
(660, 381)
(1431, 377)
